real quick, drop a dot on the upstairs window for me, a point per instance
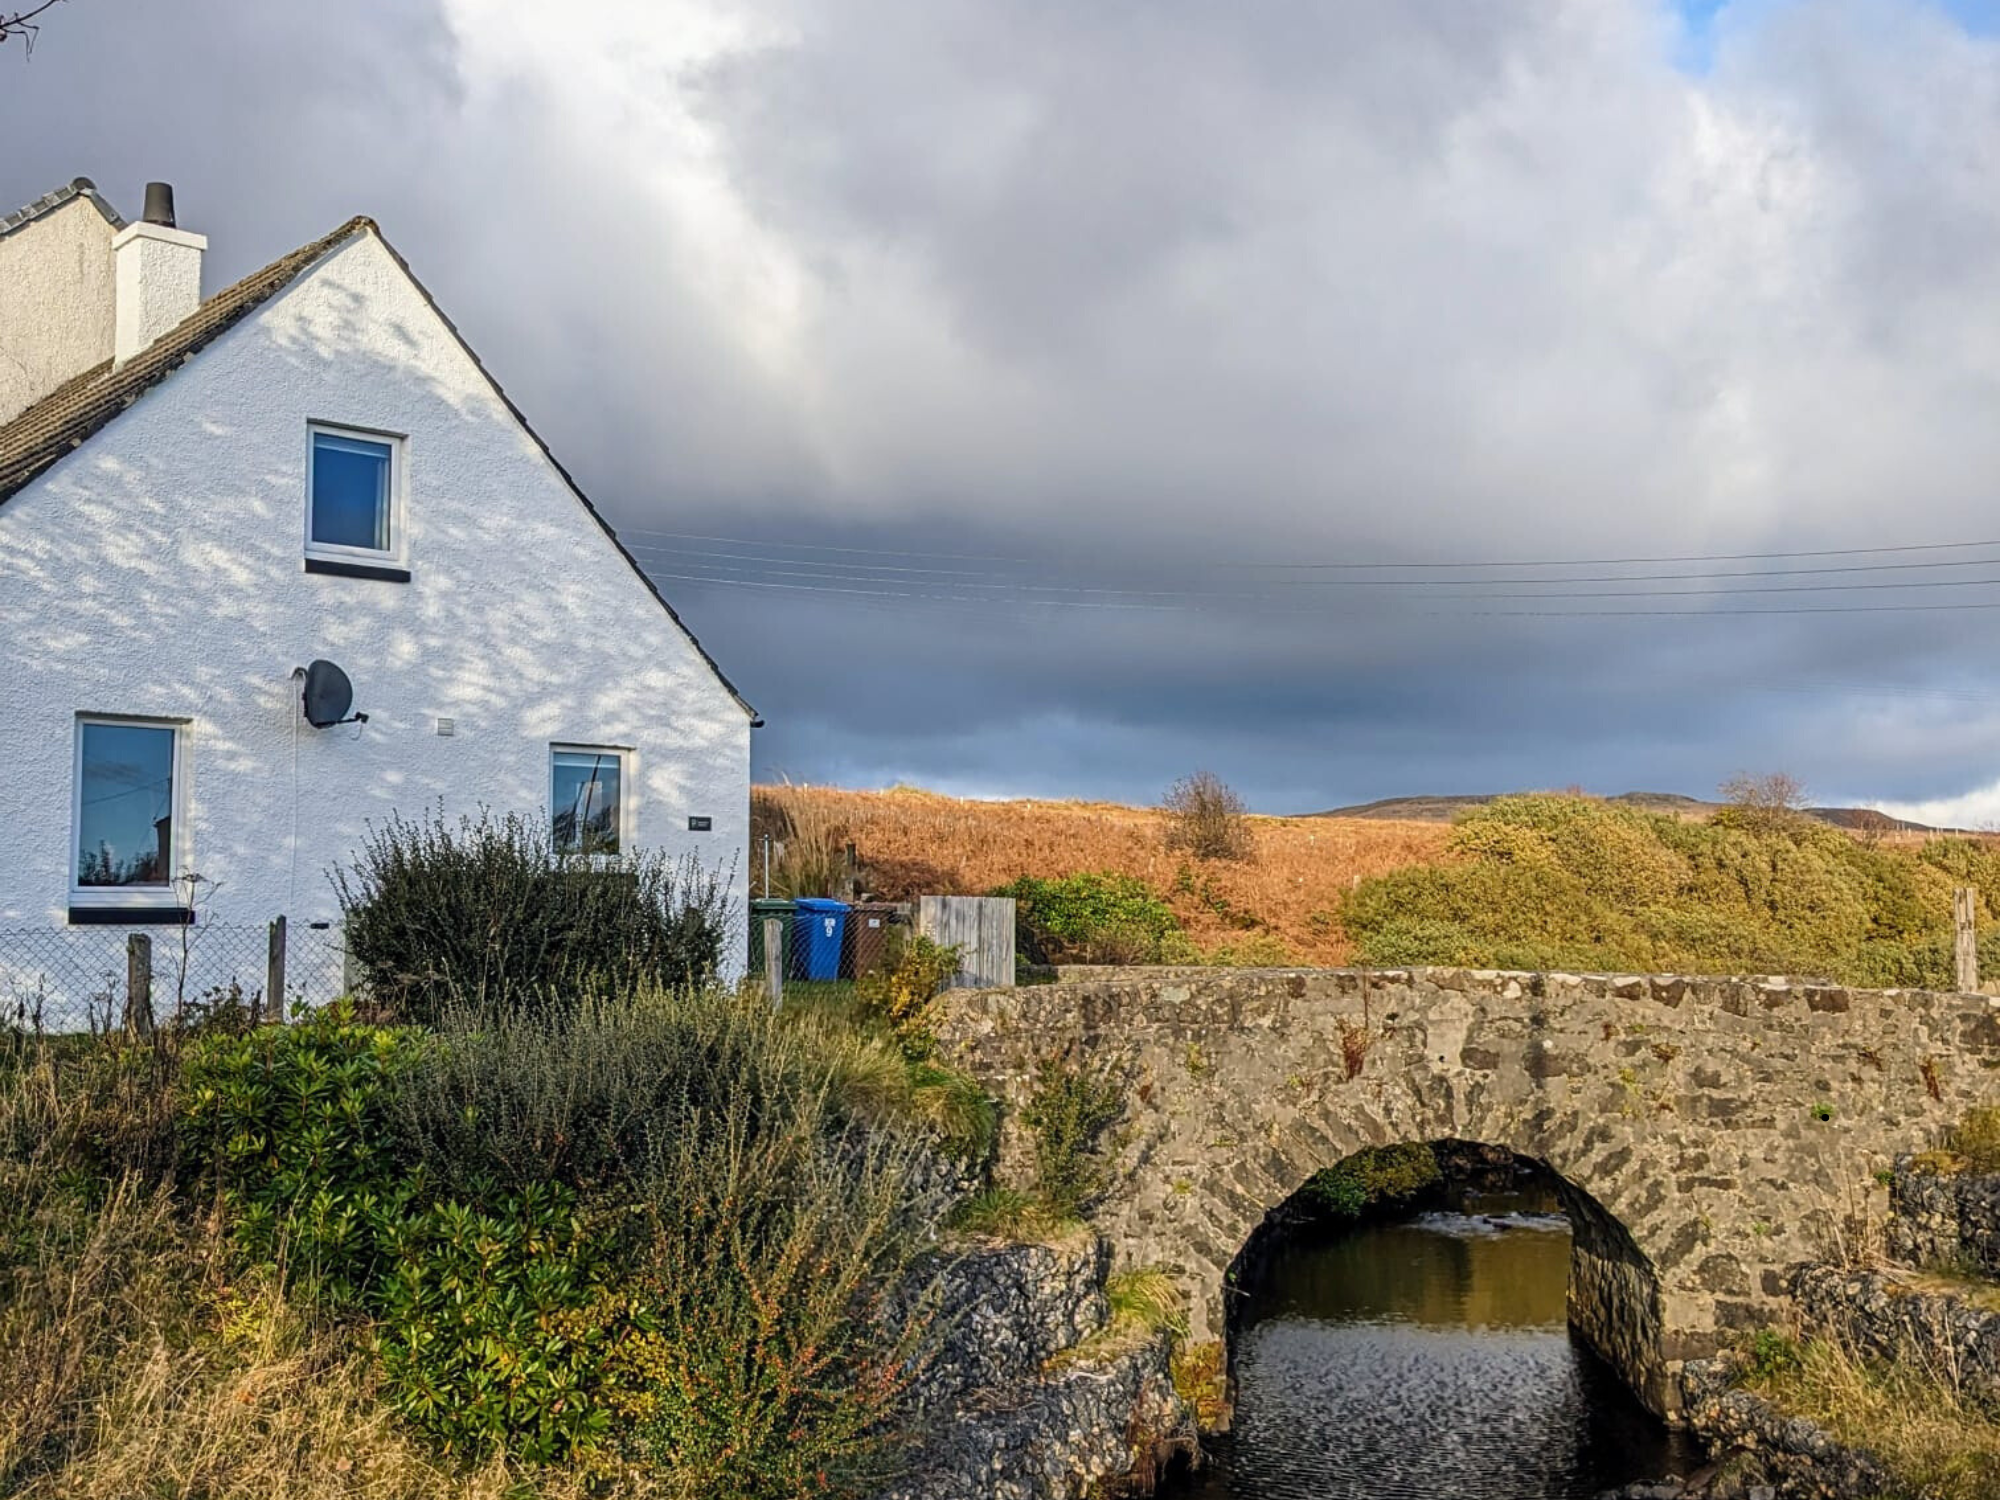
(354, 496)
(587, 793)
(126, 814)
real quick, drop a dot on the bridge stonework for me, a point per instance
(1709, 1132)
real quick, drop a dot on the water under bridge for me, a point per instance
(1709, 1133)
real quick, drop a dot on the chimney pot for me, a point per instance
(159, 204)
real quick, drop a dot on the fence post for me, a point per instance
(1964, 912)
(274, 973)
(139, 983)
(774, 960)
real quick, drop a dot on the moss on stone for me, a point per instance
(1379, 1174)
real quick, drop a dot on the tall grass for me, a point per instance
(1931, 1435)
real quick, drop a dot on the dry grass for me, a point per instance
(915, 843)
(1932, 1437)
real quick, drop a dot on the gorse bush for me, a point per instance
(1090, 918)
(486, 910)
(1207, 819)
(1555, 882)
(776, 1336)
(902, 995)
(1070, 1111)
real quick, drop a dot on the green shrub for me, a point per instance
(491, 1328)
(1976, 1137)
(1551, 882)
(1771, 1354)
(1378, 1174)
(900, 997)
(777, 1332)
(1070, 1111)
(588, 1095)
(1089, 918)
(289, 1124)
(655, 1222)
(487, 912)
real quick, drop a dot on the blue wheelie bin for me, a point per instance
(819, 928)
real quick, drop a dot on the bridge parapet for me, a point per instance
(1713, 1132)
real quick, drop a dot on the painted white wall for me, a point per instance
(157, 275)
(57, 302)
(158, 571)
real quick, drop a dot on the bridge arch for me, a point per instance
(1613, 1290)
(1714, 1131)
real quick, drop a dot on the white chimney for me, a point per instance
(157, 268)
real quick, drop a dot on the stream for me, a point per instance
(1431, 1359)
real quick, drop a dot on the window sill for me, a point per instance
(131, 916)
(376, 571)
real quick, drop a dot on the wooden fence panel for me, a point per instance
(981, 928)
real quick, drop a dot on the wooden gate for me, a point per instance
(981, 928)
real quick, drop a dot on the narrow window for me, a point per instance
(352, 501)
(587, 787)
(125, 818)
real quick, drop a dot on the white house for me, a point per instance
(201, 498)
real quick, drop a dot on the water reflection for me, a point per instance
(1432, 1359)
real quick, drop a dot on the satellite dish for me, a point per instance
(328, 695)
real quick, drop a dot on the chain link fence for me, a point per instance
(74, 979)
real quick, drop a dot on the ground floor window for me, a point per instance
(587, 795)
(125, 815)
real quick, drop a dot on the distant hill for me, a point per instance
(1444, 808)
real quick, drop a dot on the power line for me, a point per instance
(750, 569)
(1683, 614)
(969, 573)
(777, 567)
(1371, 564)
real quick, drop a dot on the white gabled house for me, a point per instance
(200, 498)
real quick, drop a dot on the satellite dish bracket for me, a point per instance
(327, 696)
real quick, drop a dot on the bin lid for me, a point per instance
(819, 903)
(770, 903)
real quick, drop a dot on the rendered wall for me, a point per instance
(56, 302)
(158, 571)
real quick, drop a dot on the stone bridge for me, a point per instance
(1709, 1133)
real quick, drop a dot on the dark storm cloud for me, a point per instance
(1129, 290)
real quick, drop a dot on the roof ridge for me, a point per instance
(64, 418)
(80, 187)
(68, 416)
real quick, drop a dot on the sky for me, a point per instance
(1024, 398)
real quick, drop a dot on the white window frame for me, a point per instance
(397, 553)
(120, 897)
(627, 759)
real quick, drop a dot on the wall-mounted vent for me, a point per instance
(447, 728)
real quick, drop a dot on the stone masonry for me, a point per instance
(1711, 1133)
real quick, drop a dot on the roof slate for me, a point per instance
(82, 187)
(68, 416)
